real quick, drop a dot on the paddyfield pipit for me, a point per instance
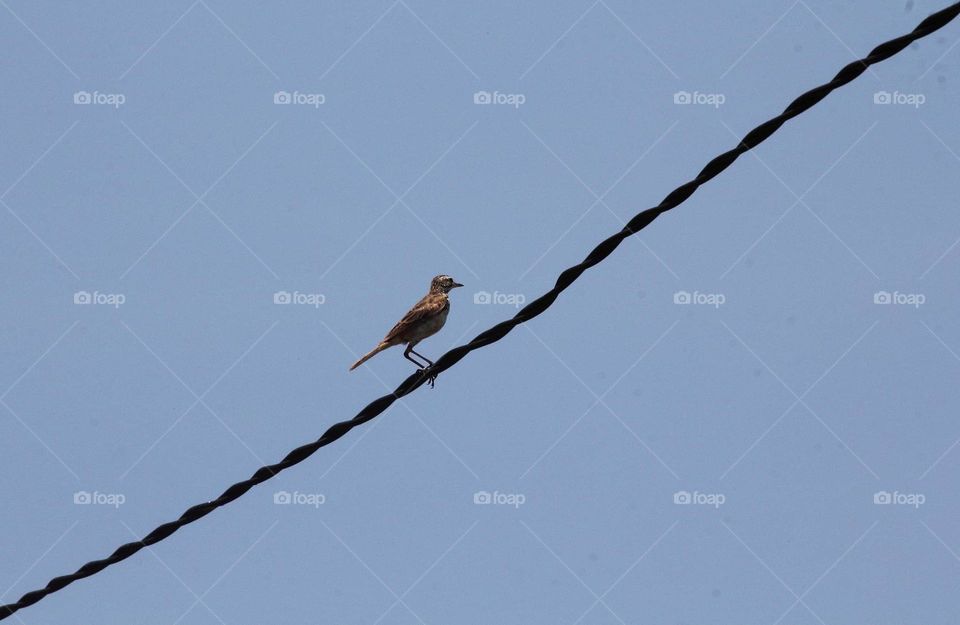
(423, 320)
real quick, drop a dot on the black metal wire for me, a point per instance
(755, 137)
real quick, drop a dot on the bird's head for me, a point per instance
(443, 284)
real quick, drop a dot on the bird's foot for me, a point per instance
(431, 379)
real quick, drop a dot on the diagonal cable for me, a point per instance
(753, 138)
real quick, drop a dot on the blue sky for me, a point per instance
(746, 414)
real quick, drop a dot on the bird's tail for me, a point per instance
(373, 352)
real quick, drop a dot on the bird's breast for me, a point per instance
(430, 325)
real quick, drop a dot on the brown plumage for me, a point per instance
(423, 320)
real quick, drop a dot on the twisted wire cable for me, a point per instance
(753, 138)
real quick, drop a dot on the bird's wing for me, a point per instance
(431, 304)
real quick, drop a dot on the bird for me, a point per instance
(423, 320)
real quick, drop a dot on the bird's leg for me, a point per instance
(406, 354)
(433, 378)
(429, 362)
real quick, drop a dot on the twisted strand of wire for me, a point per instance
(753, 138)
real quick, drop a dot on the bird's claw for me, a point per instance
(431, 378)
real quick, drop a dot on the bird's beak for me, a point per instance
(456, 284)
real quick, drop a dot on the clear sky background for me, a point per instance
(782, 400)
